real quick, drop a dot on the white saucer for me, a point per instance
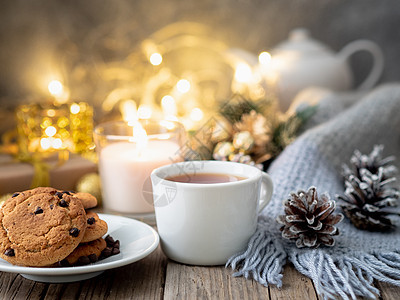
(148, 218)
(137, 240)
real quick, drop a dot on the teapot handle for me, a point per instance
(378, 60)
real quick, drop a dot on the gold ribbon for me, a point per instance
(41, 175)
(41, 168)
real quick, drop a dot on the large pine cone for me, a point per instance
(309, 220)
(365, 200)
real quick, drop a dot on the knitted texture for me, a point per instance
(315, 158)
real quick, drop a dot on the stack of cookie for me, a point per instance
(48, 227)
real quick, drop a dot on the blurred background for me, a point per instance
(94, 47)
(177, 60)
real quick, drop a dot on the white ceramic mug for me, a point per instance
(205, 224)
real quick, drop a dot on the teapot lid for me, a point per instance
(300, 41)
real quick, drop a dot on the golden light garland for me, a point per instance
(179, 72)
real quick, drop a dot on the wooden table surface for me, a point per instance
(157, 277)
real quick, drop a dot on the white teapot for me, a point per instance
(301, 62)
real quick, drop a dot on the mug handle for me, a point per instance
(266, 181)
(378, 60)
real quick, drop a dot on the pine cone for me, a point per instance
(259, 128)
(371, 162)
(309, 220)
(366, 198)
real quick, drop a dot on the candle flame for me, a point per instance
(141, 138)
(129, 111)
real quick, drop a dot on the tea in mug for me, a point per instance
(205, 178)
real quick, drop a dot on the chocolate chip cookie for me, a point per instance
(95, 229)
(85, 253)
(41, 226)
(88, 200)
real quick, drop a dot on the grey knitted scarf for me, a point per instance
(349, 268)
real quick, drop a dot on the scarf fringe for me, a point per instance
(348, 276)
(262, 260)
(344, 276)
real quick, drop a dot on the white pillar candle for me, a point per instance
(124, 169)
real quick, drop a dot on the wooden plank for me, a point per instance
(144, 279)
(388, 291)
(192, 282)
(63, 291)
(295, 286)
(14, 286)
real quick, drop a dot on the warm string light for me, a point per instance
(243, 73)
(75, 108)
(187, 94)
(58, 91)
(55, 88)
(163, 82)
(144, 112)
(196, 114)
(264, 58)
(50, 131)
(156, 59)
(183, 86)
(168, 105)
(48, 143)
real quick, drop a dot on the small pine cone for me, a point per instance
(372, 162)
(309, 220)
(365, 199)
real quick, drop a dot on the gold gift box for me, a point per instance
(47, 128)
